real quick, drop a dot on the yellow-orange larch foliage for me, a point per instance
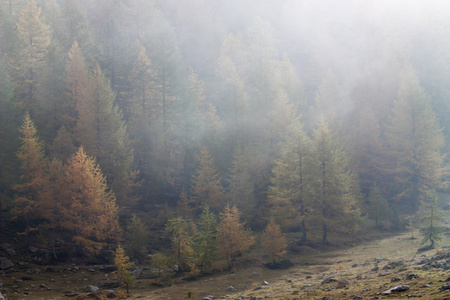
(91, 213)
(30, 190)
(232, 237)
(273, 241)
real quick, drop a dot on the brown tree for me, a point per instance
(34, 172)
(206, 185)
(91, 212)
(273, 241)
(232, 237)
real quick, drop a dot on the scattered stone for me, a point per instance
(379, 259)
(230, 289)
(255, 274)
(357, 297)
(257, 288)
(91, 270)
(7, 246)
(445, 287)
(413, 296)
(208, 298)
(308, 277)
(10, 251)
(375, 269)
(396, 289)
(70, 294)
(37, 271)
(5, 263)
(44, 286)
(22, 263)
(265, 283)
(328, 280)
(396, 279)
(412, 276)
(426, 285)
(91, 289)
(33, 249)
(288, 280)
(137, 272)
(354, 265)
(383, 274)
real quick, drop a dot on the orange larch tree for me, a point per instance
(232, 237)
(273, 241)
(91, 212)
(33, 177)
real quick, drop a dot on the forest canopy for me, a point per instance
(313, 115)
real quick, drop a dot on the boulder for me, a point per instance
(230, 289)
(91, 289)
(396, 289)
(5, 263)
(328, 280)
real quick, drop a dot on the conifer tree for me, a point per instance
(206, 182)
(103, 133)
(138, 237)
(416, 144)
(241, 186)
(34, 37)
(273, 241)
(432, 221)
(123, 264)
(90, 211)
(232, 237)
(182, 242)
(206, 239)
(30, 190)
(336, 188)
(290, 194)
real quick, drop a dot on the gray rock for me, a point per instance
(354, 265)
(209, 297)
(7, 246)
(230, 289)
(2, 297)
(265, 283)
(70, 294)
(91, 289)
(328, 280)
(10, 251)
(396, 289)
(445, 287)
(33, 249)
(137, 272)
(5, 263)
(255, 274)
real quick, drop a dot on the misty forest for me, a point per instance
(191, 135)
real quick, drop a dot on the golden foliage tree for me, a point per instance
(34, 37)
(232, 237)
(206, 183)
(273, 241)
(34, 173)
(123, 264)
(91, 212)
